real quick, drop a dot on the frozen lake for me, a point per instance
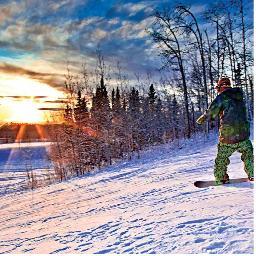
(18, 158)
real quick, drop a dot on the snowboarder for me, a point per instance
(234, 130)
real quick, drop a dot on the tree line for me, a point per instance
(115, 123)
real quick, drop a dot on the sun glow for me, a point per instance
(24, 100)
(24, 111)
(18, 85)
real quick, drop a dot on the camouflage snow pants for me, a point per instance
(225, 151)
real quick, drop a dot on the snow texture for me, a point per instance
(16, 159)
(147, 205)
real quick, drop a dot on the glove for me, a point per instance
(201, 119)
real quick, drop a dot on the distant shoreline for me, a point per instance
(25, 144)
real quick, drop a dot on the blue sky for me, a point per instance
(37, 38)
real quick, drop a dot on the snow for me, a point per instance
(146, 205)
(16, 159)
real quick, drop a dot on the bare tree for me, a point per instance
(189, 21)
(211, 76)
(233, 54)
(214, 15)
(244, 52)
(169, 39)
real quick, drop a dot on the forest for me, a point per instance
(107, 119)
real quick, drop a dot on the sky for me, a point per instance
(39, 39)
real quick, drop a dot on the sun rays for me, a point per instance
(23, 99)
(21, 137)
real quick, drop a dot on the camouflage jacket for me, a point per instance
(230, 107)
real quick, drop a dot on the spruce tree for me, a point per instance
(159, 121)
(118, 99)
(68, 114)
(113, 99)
(100, 111)
(152, 95)
(81, 111)
(134, 119)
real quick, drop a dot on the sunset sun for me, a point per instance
(27, 100)
(24, 111)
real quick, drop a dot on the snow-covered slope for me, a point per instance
(147, 205)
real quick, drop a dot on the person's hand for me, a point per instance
(201, 119)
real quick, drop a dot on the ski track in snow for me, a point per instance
(147, 205)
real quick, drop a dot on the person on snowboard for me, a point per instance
(234, 130)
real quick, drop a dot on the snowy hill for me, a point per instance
(147, 205)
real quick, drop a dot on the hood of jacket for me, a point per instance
(234, 93)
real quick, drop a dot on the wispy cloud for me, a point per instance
(51, 79)
(51, 109)
(64, 101)
(116, 27)
(22, 97)
(9, 10)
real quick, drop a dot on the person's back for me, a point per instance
(234, 129)
(234, 126)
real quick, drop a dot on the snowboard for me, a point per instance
(205, 184)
